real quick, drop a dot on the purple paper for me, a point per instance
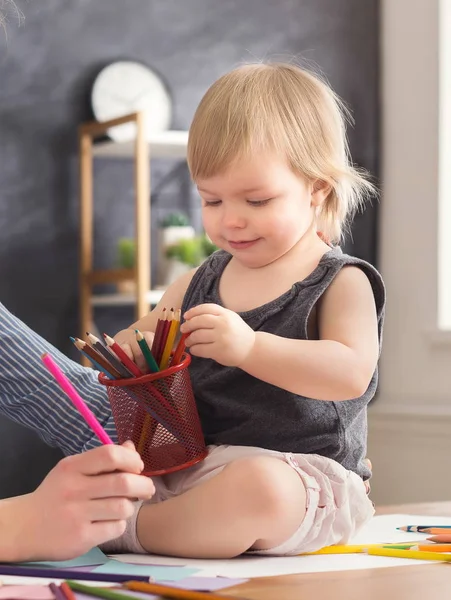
(204, 584)
(198, 584)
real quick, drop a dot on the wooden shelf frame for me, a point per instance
(88, 277)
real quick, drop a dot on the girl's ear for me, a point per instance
(320, 191)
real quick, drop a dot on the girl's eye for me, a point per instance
(212, 202)
(258, 202)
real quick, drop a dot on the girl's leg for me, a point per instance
(256, 502)
(30, 396)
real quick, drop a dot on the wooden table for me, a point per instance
(422, 582)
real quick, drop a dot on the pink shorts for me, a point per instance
(337, 501)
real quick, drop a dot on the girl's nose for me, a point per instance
(233, 218)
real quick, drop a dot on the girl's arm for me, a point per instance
(340, 365)
(172, 298)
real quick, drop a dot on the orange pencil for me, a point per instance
(175, 593)
(432, 547)
(444, 538)
(436, 531)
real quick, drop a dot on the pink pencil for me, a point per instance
(78, 401)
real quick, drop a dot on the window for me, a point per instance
(444, 171)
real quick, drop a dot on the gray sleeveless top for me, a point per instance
(238, 409)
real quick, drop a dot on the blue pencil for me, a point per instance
(420, 528)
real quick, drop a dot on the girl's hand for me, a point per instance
(127, 340)
(84, 501)
(218, 333)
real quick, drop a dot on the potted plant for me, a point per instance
(126, 256)
(187, 254)
(173, 228)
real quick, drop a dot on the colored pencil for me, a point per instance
(444, 538)
(432, 547)
(95, 364)
(89, 350)
(436, 531)
(100, 592)
(399, 546)
(175, 593)
(67, 591)
(108, 355)
(158, 332)
(179, 349)
(123, 357)
(21, 571)
(422, 528)
(57, 591)
(78, 401)
(173, 331)
(353, 548)
(164, 335)
(409, 554)
(150, 360)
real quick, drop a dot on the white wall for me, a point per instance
(410, 424)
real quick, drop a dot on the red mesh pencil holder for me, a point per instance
(159, 414)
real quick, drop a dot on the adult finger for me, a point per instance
(104, 459)
(121, 485)
(110, 509)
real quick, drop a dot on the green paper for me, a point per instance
(158, 573)
(92, 558)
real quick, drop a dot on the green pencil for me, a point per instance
(106, 593)
(400, 546)
(151, 362)
(155, 589)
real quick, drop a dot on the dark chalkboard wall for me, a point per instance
(46, 67)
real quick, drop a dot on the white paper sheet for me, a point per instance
(381, 529)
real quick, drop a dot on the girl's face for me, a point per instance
(258, 209)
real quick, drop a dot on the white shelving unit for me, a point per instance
(166, 144)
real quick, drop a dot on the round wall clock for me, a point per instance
(127, 86)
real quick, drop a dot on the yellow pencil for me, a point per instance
(172, 334)
(347, 549)
(415, 554)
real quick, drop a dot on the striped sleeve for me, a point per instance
(30, 396)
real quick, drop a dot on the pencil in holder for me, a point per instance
(159, 414)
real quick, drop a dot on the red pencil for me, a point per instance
(158, 332)
(67, 591)
(179, 350)
(164, 336)
(131, 366)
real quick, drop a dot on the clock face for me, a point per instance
(125, 87)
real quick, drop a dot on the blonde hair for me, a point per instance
(288, 110)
